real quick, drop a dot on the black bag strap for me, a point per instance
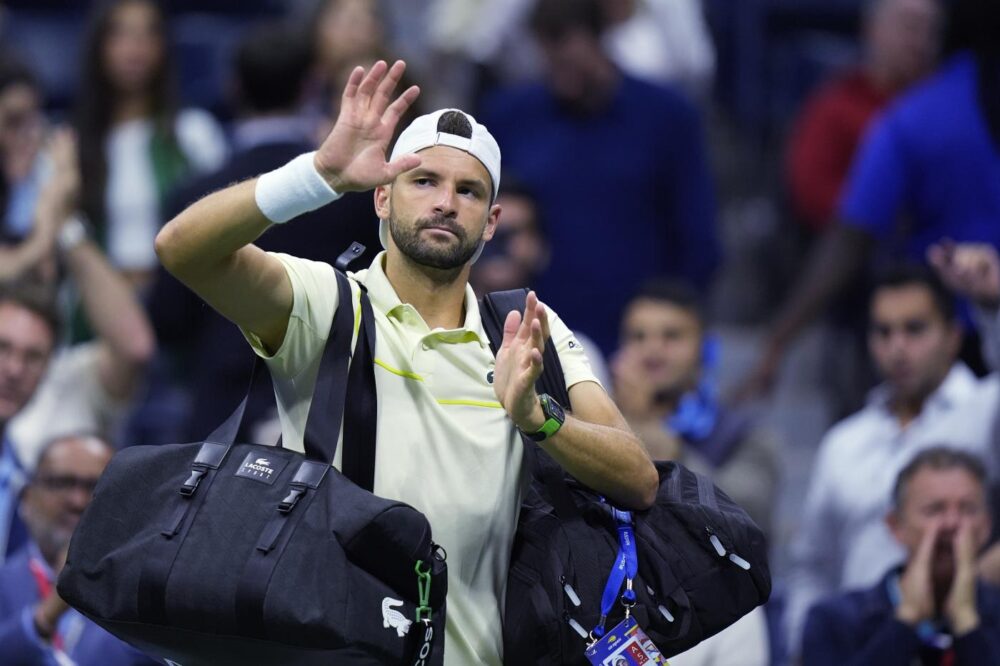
(494, 308)
(329, 397)
(358, 463)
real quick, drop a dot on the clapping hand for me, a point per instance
(519, 364)
(353, 156)
(971, 270)
(960, 605)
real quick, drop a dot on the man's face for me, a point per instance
(25, 346)
(911, 342)
(904, 38)
(667, 340)
(439, 212)
(947, 497)
(62, 488)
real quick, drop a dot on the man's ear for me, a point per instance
(382, 195)
(492, 220)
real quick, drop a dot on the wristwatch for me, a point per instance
(555, 416)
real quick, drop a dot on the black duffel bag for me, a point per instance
(218, 553)
(702, 560)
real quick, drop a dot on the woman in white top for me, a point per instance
(136, 145)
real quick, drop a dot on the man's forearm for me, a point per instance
(607, 459)
(211, 231)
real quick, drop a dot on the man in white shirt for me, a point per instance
(928, 397)
(445, 441)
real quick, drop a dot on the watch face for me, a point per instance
(555, 410)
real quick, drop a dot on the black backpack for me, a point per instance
(219, 553)
(702, 560)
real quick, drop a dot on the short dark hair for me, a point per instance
(909, 274)
(36, 298)
(937, 458)
(552, 20)
(673, 292)
(455, 122)
(272, 64)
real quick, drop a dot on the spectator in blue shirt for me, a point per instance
(932, 611)
(928, 170)
(618, 166)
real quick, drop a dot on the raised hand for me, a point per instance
(960, 605)
(971, 270)
(519, 364)
(916, 585)
(59, 197)
(353, 156)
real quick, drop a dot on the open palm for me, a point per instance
(353, 156)
(519, 364)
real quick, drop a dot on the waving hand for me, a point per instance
(353, 156)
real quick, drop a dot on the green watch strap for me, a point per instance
(549, 428)
(554, 419)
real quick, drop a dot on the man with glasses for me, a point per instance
(36, 625)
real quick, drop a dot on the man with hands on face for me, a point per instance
(932, 610)
(446, 438)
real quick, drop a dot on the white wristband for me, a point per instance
(292, 190)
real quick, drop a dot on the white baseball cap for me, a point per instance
(425, 132)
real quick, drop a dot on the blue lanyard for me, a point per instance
(625, 570)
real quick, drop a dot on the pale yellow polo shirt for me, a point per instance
(444, 443)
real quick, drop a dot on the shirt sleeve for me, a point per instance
(877, 185)
(314, 294)
(572, 356)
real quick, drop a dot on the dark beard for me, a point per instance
(448, 257)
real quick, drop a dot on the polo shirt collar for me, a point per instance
(384, 298)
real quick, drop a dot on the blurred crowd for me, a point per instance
(665, 216)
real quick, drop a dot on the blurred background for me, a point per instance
(705, 141)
